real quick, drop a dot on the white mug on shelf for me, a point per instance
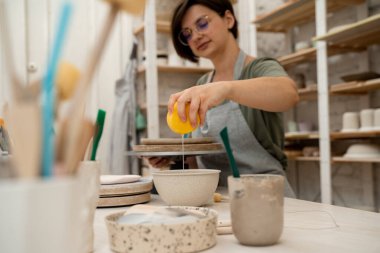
(350, 121)
(366, 119)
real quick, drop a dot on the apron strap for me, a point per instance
(238, 68)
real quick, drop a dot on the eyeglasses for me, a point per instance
(200, 25)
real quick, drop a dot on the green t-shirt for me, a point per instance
(268, 127)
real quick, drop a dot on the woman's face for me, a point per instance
(205, 31)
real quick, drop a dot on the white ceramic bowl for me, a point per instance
(193, 187)
(363, 150)
(191, 236)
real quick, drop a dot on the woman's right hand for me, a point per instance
(159, 162)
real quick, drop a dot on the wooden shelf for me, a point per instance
(162, 26)
(306, 159)
(301, 136)
(357, 35)
(298, 57)
(308, 93)
(307, 55)
(335, 159)
(340, 159)
(295, 13)
(355, 88)
(177, 69)
(333, 135)
(354, 135)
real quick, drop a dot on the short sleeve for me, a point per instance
(264, 67)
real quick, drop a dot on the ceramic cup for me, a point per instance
(257, 208)
(366, 119)
(350, 121)
(39, 215)
(89, 178)
(376, 120)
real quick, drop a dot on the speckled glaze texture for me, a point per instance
(163, 238)
(193, 187)
(257, 208)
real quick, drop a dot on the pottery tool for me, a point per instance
(98, 132)
(24, 113)
(48, 90)
(81, 144)
(226, 142)
(73, 132)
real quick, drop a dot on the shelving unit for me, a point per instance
(308, 93)
(309, 54)
(298, 57)
(333, 135)
(301, 136)
(355, 36)
(354, 135)
(304, 159)
(355, 88)
(337, 159)
(295, 13)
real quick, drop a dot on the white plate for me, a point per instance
(118, 179)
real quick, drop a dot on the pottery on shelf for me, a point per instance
(350, 121)
(363, 150)
(367, 119)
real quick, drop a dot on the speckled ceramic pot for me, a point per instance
(165, 238)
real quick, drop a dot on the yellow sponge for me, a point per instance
(67, 80)
(176, 124)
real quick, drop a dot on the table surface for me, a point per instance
(308, 227)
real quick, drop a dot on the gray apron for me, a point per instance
(250, 156)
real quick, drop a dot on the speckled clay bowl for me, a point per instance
(193, 187)
(179, 237)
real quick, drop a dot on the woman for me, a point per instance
(243, 93)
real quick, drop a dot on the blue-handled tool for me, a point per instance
(48, 91)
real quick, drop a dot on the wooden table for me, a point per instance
(308, 227)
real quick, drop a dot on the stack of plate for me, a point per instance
(123, 190)
(177, 146)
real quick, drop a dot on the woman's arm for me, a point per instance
(275, 94)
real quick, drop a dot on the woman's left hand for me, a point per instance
(201, 99)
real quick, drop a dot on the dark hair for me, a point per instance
(219, 6)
